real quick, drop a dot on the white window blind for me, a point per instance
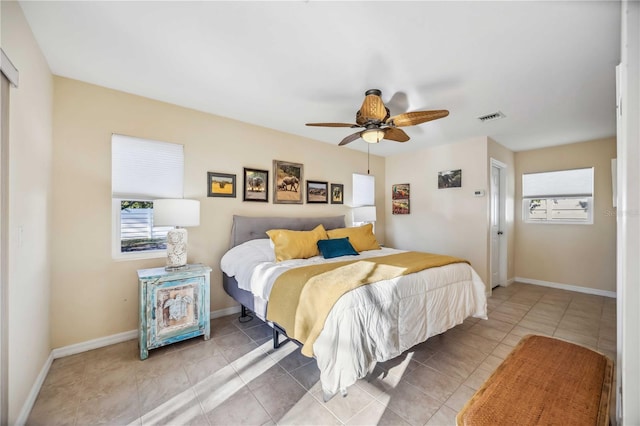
(564, 196)
(146, 169)
(577, 182)
(363, 190)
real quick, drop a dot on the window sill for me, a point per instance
(556, 222)
(156, 254)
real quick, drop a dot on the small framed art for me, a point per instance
(337, 193)
(400, 198)
(287, 179)
(400, 206)
(400, 191)
(256, 185)
(450, 179)
(221, 185)
(317, 192)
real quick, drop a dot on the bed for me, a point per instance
(371, 323)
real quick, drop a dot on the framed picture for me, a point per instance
(450, 179)
(337, 193)
(221, 185)
(400, 206)
(256, 185)
(317, 192)
(400, 191)
(287, 180)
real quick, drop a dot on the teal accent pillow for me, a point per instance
(336, 247)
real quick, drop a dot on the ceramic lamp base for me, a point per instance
(176, 249)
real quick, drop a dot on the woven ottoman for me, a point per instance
(544, 381)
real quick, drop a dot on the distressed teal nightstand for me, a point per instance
(174, 306)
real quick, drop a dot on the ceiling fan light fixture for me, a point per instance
(373, 135)
(376, 123)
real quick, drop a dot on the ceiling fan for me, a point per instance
(373, 116)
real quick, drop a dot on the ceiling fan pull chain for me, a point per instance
(368, 145)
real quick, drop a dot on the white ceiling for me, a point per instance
(548, 66)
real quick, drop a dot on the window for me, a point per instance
(137, 233)
(142, 171)
(364, 200)
(564, 196)
(363, 190)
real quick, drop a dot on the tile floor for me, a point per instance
(237, 377)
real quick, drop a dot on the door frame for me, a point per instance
(8, 71)
(502, 273)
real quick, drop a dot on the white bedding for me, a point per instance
(372, 323)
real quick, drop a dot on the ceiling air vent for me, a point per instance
(492, 117)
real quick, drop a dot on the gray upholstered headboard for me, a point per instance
(247, 228)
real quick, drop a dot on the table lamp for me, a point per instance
(179, 213)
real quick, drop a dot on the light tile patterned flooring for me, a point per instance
(238, 378)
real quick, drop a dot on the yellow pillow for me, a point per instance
(296, 244)
(361, 237)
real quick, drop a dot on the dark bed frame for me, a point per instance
(246, 228)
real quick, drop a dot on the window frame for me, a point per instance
(526, 218)
(575, 190)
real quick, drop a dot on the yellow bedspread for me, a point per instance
(302, 298)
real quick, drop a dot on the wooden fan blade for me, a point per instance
(332, 124)
(416, 117)
(372, 109)
(350, 138)
(394, 134)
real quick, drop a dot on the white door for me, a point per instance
(496, 231)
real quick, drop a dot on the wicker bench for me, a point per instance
(544, 381)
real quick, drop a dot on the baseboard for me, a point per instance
(510, 281)
(569, 287)
(87, 346)
(94, 344)
(120, 337)
(33, 393)
(224, 312)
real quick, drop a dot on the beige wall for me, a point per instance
(581, 255)
(448, 221)
(507, 157)
(103, 292)
(30, 152)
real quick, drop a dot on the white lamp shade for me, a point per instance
(364, 214)
(176, 212)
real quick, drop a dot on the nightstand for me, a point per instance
(174, 306)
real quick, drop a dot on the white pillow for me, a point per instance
(245, 256)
